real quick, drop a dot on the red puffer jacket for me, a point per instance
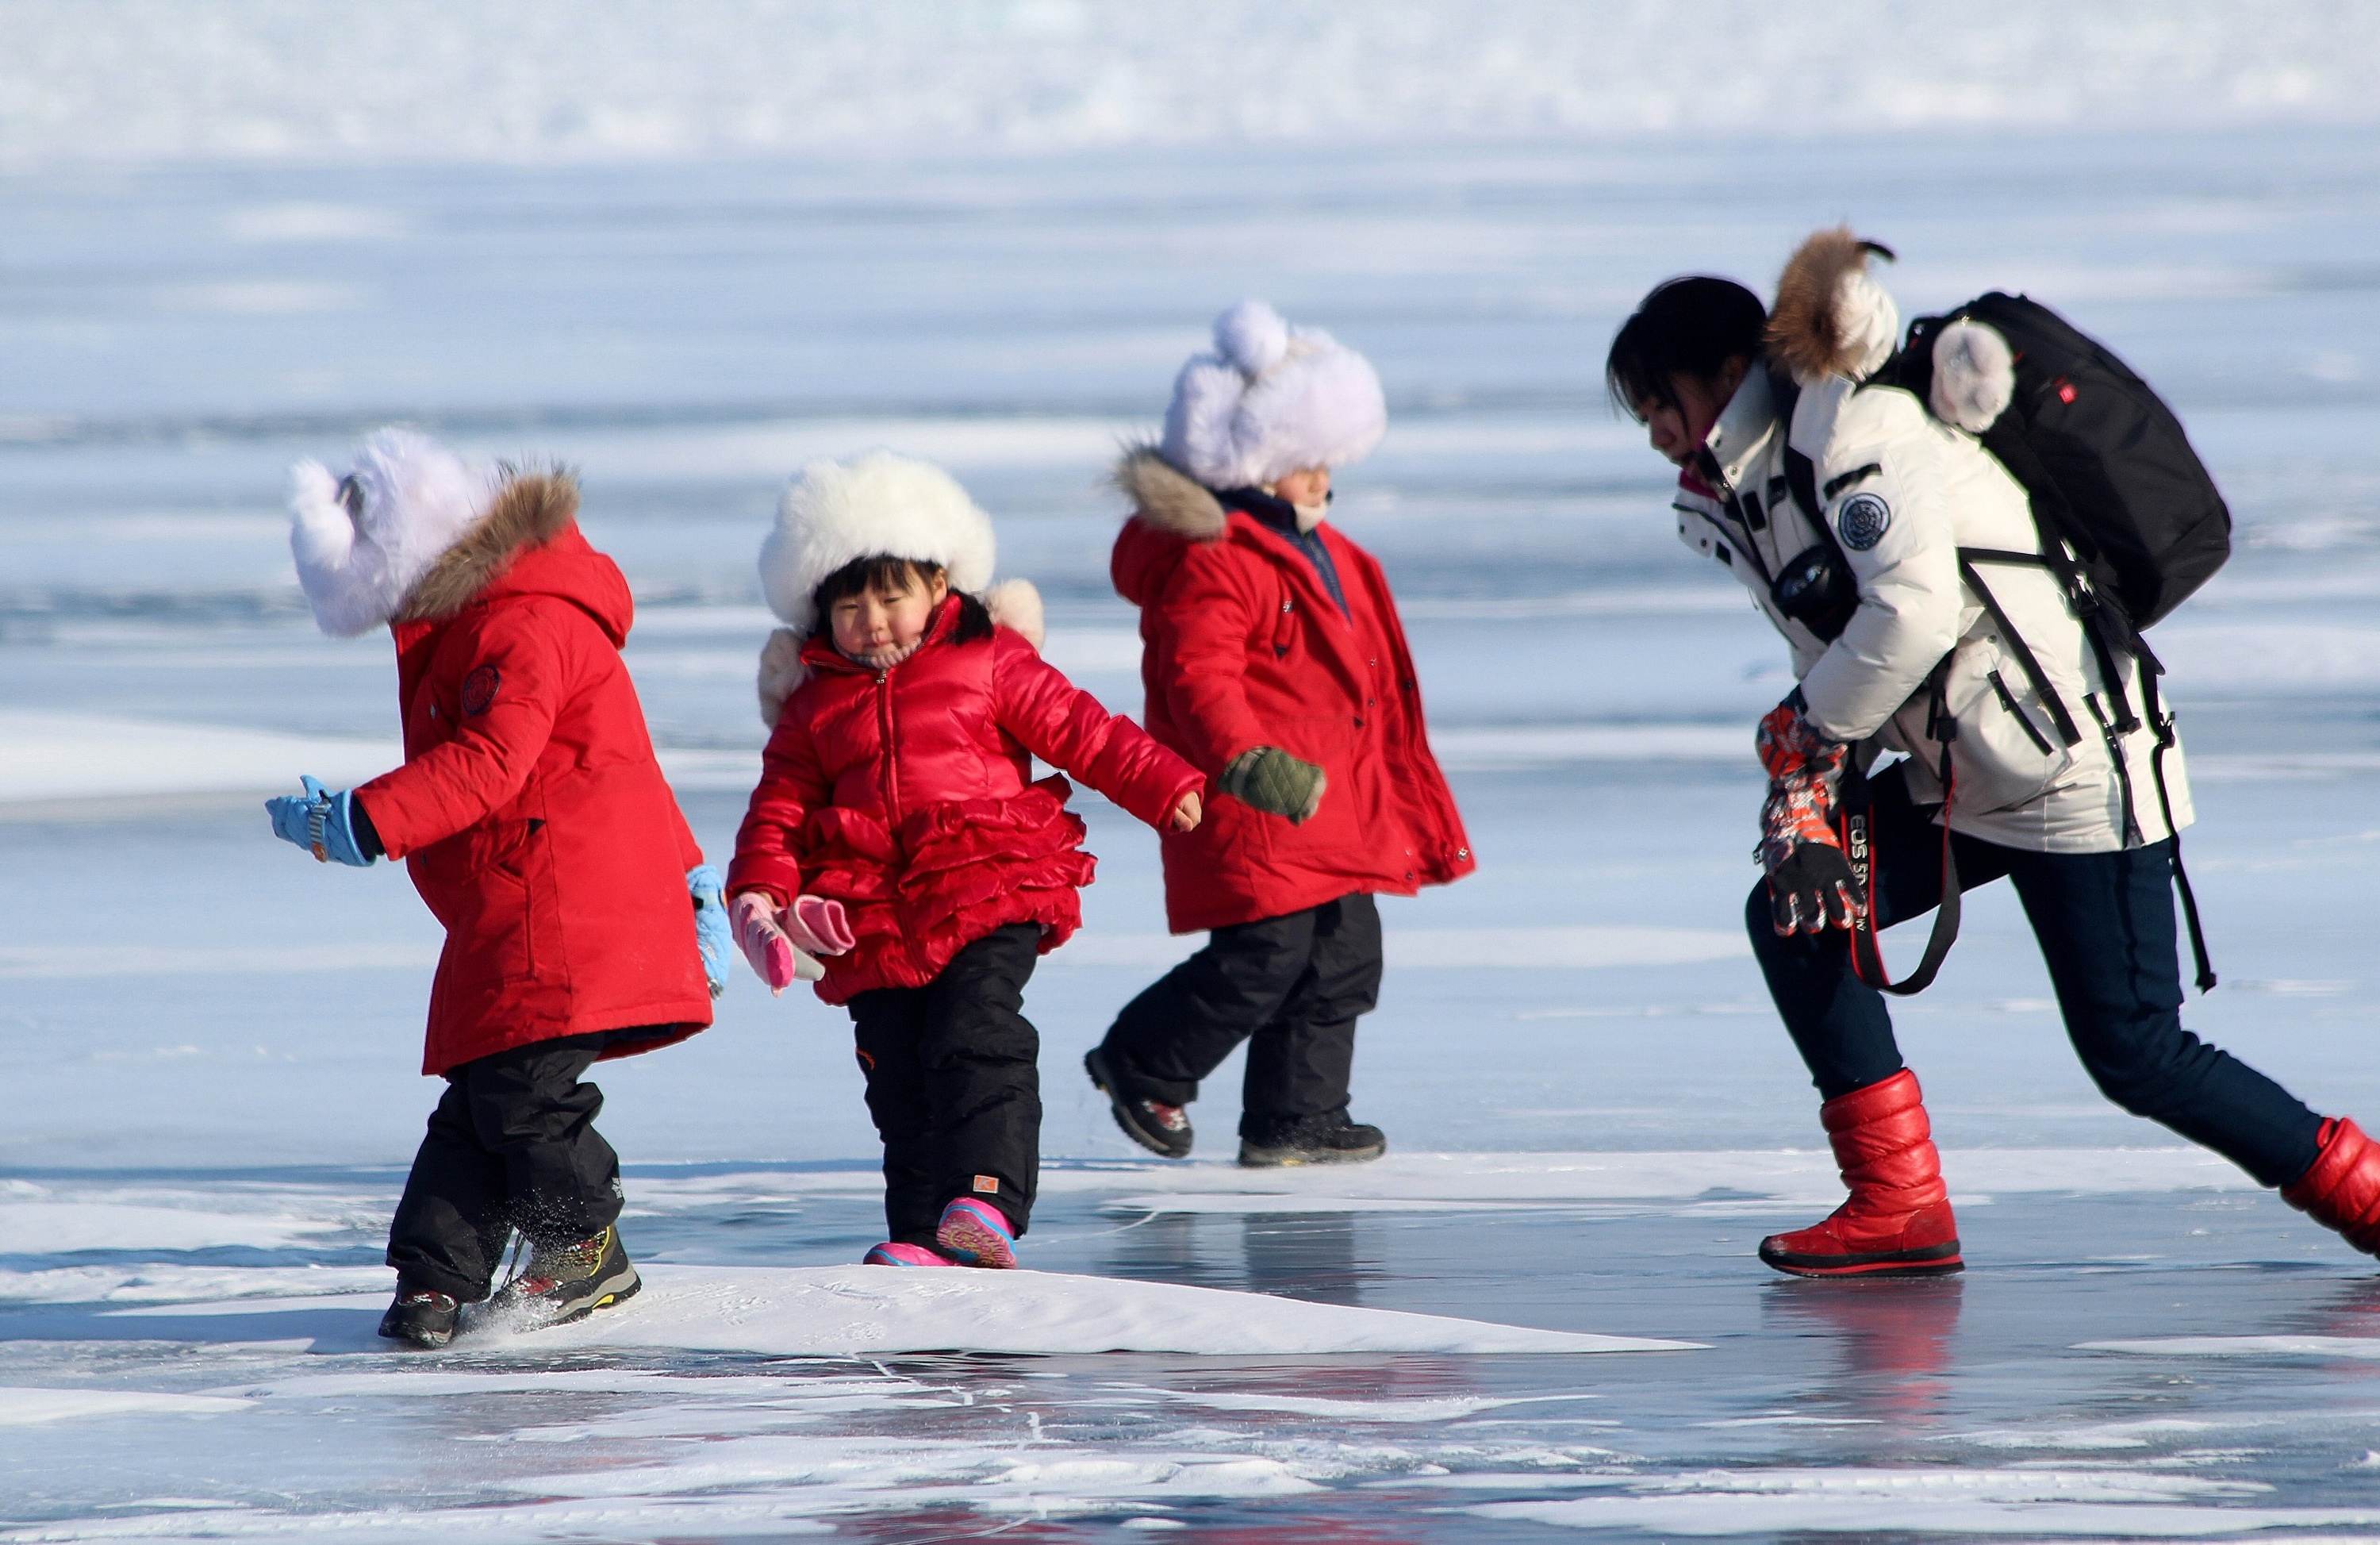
(903, 794)
(530, 810)
(1241, 647)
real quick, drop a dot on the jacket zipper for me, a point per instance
(891, 793)
(2007, 700)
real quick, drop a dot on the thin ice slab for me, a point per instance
(847, 1310)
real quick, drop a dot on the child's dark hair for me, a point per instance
(884, 572)
(1691, 327)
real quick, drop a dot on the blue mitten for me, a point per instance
(714, 935)
(332, 827)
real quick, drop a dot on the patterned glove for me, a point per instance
(332, 827)
(1269, 779)
(713, 936)
(1810, 880)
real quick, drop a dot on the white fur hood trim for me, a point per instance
(1269, 400)
(1014, 604)
(875, 504)
(418, 500)
(1831, 317)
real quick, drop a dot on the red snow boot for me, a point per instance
(2342, 1189)
(1897, 1221)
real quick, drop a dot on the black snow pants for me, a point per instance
(955, 1085)
(2105, 925)
(512, 1145)
(1292, 987)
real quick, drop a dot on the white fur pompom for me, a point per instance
(782, 671)
(1252, 336)
(1312, 403)
(1016, 604)
(1975, 376)
(418, 499)
(878, 505)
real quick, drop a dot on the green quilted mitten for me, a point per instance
(1272, 780)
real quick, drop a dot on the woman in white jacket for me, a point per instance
(1993, 684)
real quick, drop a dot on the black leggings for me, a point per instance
(1292, 987)
(2105, 925)
(953, 1086)
(512, 1145)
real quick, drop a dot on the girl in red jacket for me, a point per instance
(896, 836)
(534, 821)
(1274, 661)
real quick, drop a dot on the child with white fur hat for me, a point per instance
(897, 852)
(580, 918)
(1275, 662)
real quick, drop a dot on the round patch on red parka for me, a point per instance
(479, 690)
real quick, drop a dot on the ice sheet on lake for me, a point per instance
(23, 1408)
(1711, 1180)
(46, 756)
(2351, 1349)
(2033, 1503)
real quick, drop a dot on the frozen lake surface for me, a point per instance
(210, 1044)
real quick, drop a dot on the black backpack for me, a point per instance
(2103, 459)
(2107, 468)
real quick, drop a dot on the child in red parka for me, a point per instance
(1274, 661)
(896, 833)
(581, 921)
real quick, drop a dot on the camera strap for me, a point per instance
(1858, 831)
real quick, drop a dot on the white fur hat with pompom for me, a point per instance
(1271, 400)
(364, 540)
(878, 505)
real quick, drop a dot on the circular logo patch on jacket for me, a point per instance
(1862, 520)
(480, 687)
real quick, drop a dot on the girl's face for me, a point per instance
(879, 618)
(1679, 430)
(1308, 486)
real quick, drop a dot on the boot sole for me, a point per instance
(428, 1341)
(1118, 1107)
(1934, 1260)
(976, 1242)
(1297, 1158)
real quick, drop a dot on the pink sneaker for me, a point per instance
(976, 1233)
(893, 1253)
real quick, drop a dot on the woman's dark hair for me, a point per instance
(894, 575)
(1691, 327)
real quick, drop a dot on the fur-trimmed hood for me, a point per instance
(1269, 400)
(1166, 497)
(1014, 604)
(1831, 317)
(411, 532)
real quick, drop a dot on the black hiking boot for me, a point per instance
(1328, 1139)
(1162, 1129)
(420, 1317)
(566, 1283)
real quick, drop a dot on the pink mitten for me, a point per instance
(773, 956)
(818, 925)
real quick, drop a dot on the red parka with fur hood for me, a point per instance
(1241, 647)
(904, 795)
(530, 812)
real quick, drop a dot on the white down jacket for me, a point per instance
(1903, 493)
